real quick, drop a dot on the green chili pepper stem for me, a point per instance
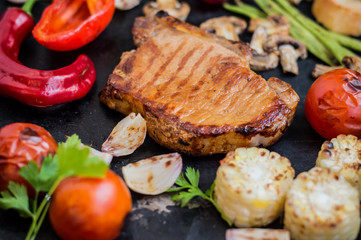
(28, 5)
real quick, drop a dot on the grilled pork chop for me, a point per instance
(196, 90)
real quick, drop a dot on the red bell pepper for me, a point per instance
(70, 24)
(37, 87)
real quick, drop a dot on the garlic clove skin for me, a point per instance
(106, 157)
(126, 136)
(153, 175)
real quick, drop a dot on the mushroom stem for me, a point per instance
(321, 69)
(289, 57)
(258, 38)
(351, 62)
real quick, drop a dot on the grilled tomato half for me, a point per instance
(21, 143)
(333, 104)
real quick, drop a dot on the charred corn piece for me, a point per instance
(257, 234)
(343, 155)
(251, 186)
(321, 204)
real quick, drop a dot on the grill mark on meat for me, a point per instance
(155, 53)
(128, 65)
(180, 67)
(195, 96)
(160, 70)
(195, 66)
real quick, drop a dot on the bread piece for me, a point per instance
(342, 16)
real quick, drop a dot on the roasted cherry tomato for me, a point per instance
(21, 143)
(90, 208)
(333, 104)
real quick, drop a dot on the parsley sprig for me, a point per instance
(71, 160)
(189, 189)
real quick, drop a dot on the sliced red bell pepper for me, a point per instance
(70, 24)
(36, 87)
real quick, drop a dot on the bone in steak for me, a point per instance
(196, 90)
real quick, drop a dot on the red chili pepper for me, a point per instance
(36, 87)
(70, 24)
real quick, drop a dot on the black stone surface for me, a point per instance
(93, 122)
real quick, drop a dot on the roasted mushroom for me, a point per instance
(271, 38)
(289, 50)
(320, 69)
(258, 38)
(351, 62)
(227, 27)
(126, 4)
(274, 24)
(262, 62)
(172, 7)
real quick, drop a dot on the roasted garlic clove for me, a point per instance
(153, 175)
(126, 136)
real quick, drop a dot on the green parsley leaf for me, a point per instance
(16, 198)
(43, 179)
(74, 160)
(181, 181)
(192, 190)
(184, 197)
(193, 176)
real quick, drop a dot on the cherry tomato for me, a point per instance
(90, 208)
(333, 104)
(21, 143)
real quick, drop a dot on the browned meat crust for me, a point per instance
(196, 91)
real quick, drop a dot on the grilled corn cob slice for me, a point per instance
(257, 234)
(322, 205)
(251, 186)
(343, 155)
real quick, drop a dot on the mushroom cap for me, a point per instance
(126, 4)
(226, 26)
(275, 24)
(172, 7)
(273, 43)
(352, 62)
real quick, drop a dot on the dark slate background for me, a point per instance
(93, 122)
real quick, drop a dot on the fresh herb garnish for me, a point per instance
(189, 189)
(71, 160)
